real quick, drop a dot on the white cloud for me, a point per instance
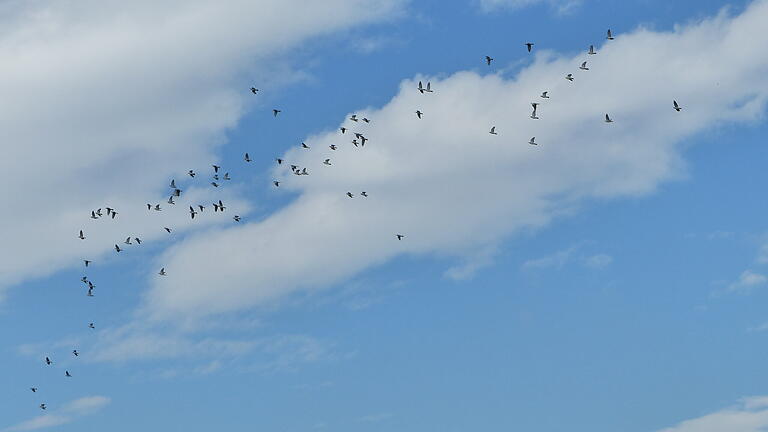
(453, 188)
(561, 6)
(104, 101)
(556, 260)
(749, 415)
(747, 281)
(66, 414)
(598, 261)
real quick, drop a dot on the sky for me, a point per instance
(611, 277)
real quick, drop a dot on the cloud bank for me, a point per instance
(454, 189)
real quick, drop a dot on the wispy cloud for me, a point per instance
(747, 281)
(66, 414)
(749, 415)
(559, 6)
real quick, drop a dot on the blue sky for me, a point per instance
(612, 278)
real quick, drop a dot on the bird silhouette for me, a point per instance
(608, 119)
(254, 90)
(275, 112)
(493, 130)
(676, 106)
(529, 45)
(419, 113)
(81, 236)
(584, 66)
(610, 36)
(488, 60)
(592, 50)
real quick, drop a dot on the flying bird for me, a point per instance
(327, 161)
(353, 117)
(214, 184)
(592, 50)
(171, 201)
(493, 130)
(215, 168)
(173, 184)
(419, 113)
(364, 193)
(162, 272)
(93, 215)
(191, 173)
(343, 129)
(236, 218)
(529, 45)
(608, 119)
(128, 241)
(87, 262)
(117, 248)
(137, 240)
(81, 236)
(279, 161)
(584, 66)
(349, 194)
(157, 207)
(167, 229)
(42, 406)
(569, 77)
(677, 107)
(254, 90)
(488, 60)
(48, 361)
(276, 183)
(332, 147)
(226, 176)
(304, 146)
(67, 374)
(610, 36)
(399, 236)
(366, 120)
(75, 353)
(533, 114)
(427, 89)
(532, 141)
(275, 112)
(192, 212)
(247, 158)
(34, 389)
(545, 95)
(91, 325)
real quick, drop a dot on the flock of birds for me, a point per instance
(359, 140)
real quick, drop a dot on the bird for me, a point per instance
(343, 129)
(254, 90)
(81, 236)
(177, 192)
(532, 141)
(419, 113)
(332, 147)
(75, 353)
(191, 173)
(493, 130)
(608, 119)
(137, 240)
(149, 206)
(276, 183)
(48, 361)
(93, 215)
(353, 117)
(114, 213)
(294, 168)
(236, 218)
(90, 292)
(349, 194)
(529, 45)
(215, 168)
(610, 36)
(87, 262)
(171, 201)
(592, 50)
(399, 236)
(247, 158)
(173, 184)
(226, 176)
(275, 112)
(117, 248)
(488, 60)
(192, 212)
(201, 207)
(545, 95)
(221, 205)
(167, 229)
(279, 161)
(533, 114)
(327, 161)
(366, 120)
(569, 77)
(427, 89)
(34, 389)
(91, 325)
(67, 374)
(584, 66)
(128, 241)
(157, 207)
(304, 146)
(214, 184)
(677, 107)
(303, 172)
(162, 272)
(42, 406)
(364, 193)
(98, 212)
(109, 210)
